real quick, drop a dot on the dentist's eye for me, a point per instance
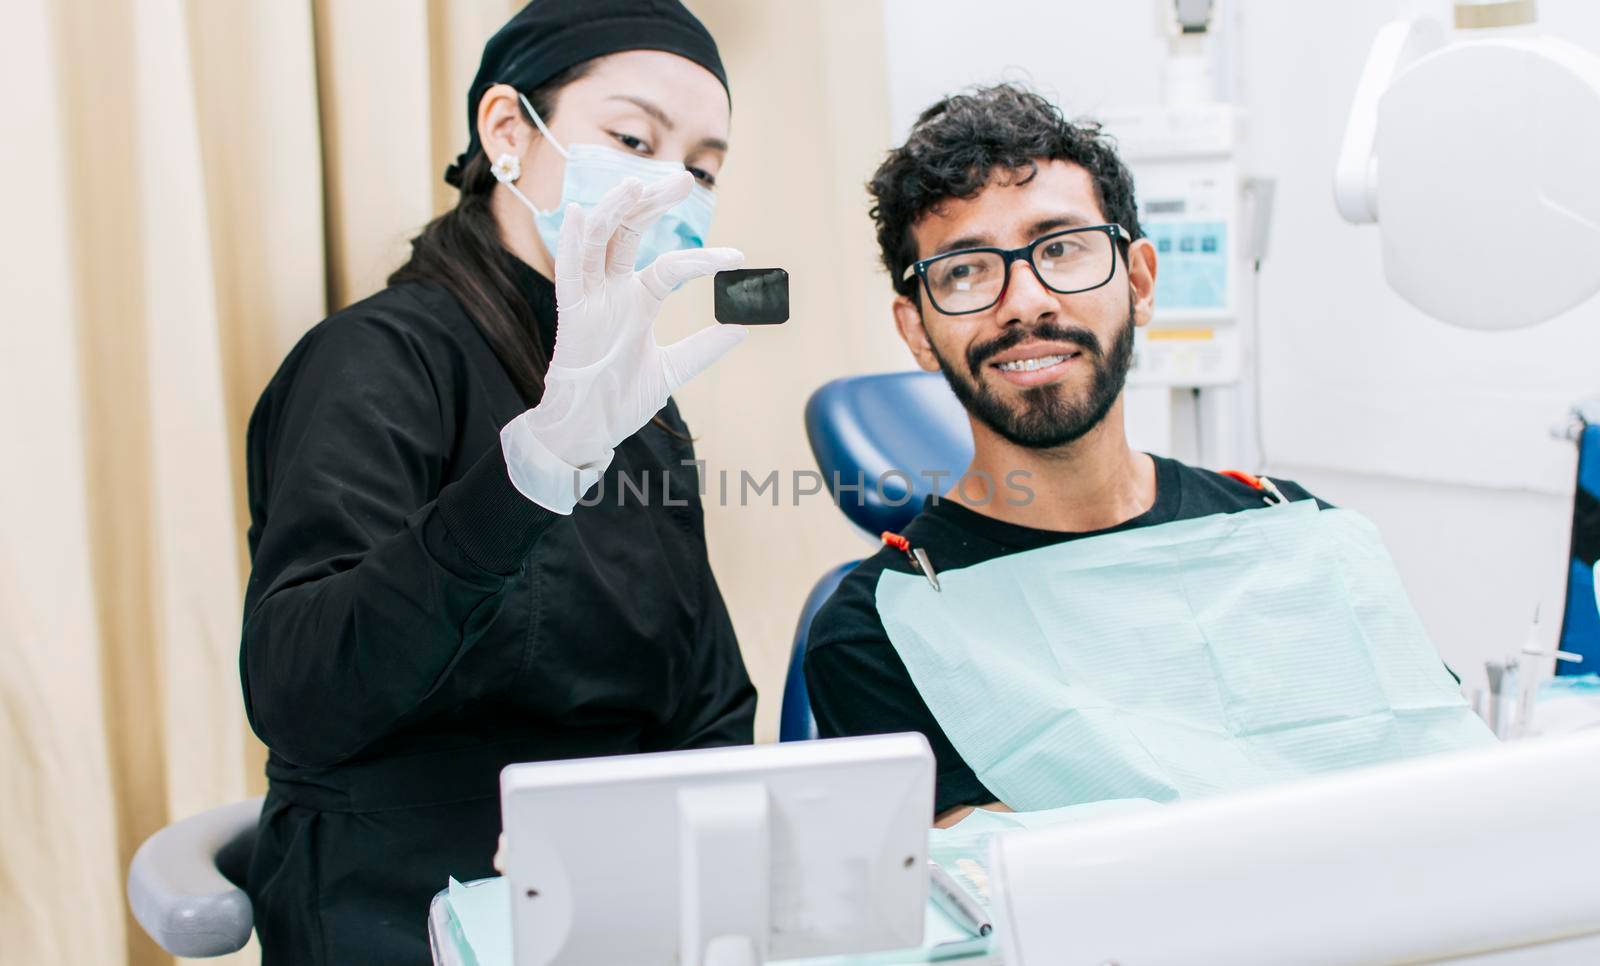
(703, 176)
(631, 143)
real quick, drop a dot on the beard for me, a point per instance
(1046, 416)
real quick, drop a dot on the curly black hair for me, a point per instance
(956, 145)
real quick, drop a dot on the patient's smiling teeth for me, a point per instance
(1028, 365)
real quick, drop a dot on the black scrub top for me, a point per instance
(413, 624)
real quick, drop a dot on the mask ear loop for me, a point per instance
(538, 122)
(507, 168)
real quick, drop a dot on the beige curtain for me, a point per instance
(192, 184)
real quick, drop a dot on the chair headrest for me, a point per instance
(888, 432)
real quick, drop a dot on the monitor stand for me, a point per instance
(724, 874)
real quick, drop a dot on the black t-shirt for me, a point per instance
(856, 681)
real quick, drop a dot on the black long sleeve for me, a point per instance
(371, 578)
(413, 625)
(722, 706)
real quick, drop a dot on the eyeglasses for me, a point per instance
(1065, 262)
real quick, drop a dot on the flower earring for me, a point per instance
(507, 168)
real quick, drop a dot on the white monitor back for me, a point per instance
(1489, 856)
(819, 846)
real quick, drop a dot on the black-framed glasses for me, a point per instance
(973, 279)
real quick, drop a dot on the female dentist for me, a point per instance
(432, 595)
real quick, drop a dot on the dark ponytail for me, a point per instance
(461, 250)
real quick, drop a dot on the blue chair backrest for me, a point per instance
(883, 432)
(795, 721)
(886, 431)
(1580, 622)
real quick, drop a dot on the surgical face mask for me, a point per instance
(593, 170)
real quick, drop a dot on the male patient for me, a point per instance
(1108, 624)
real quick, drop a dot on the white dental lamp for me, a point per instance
(1477, 151)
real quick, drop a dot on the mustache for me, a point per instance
(1044, 332)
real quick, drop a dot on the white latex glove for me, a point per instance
(608, 377)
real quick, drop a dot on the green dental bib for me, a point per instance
(1179, 660)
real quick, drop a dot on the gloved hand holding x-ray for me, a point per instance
(608, 377)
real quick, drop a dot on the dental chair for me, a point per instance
(882, 431)
(186, 882)
(1580, 620)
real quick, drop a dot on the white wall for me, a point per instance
(1440, 435)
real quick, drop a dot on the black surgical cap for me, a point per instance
(549, 36)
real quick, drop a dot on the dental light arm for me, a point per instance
(1355, 177)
